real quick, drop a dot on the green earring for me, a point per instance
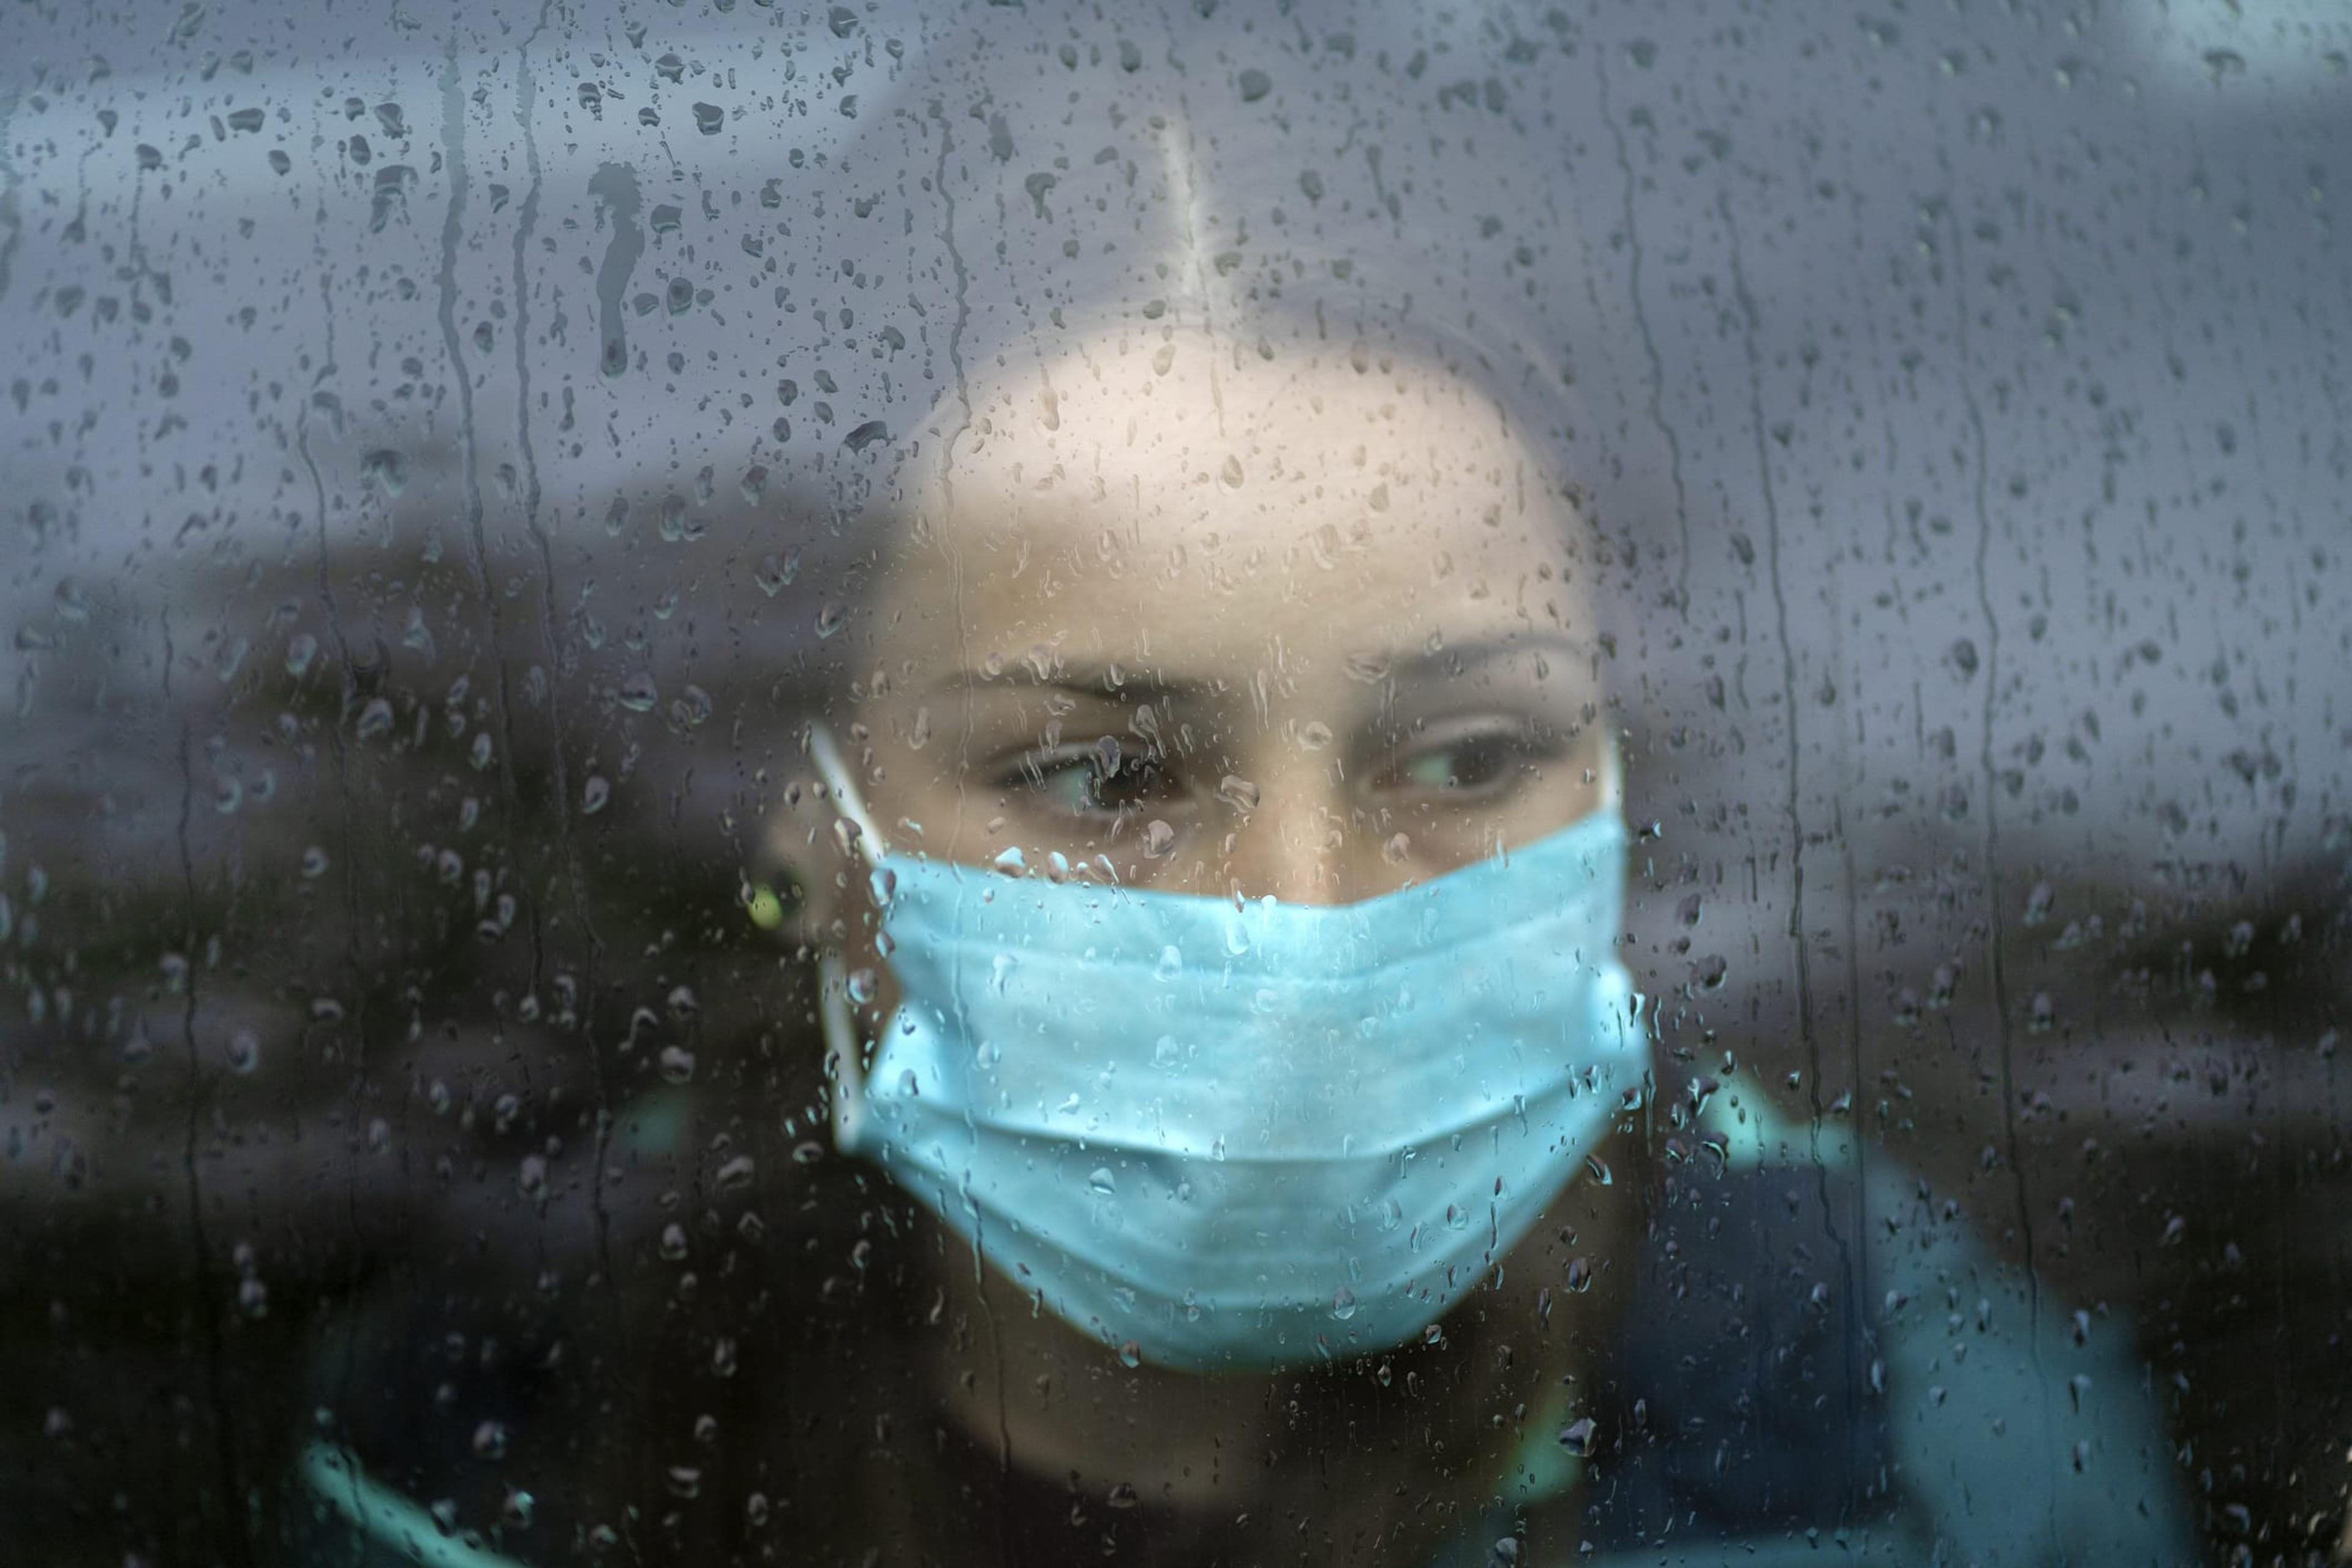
(764, 905)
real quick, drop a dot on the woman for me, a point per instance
(1254, 1144)
(1226, 867)
(1276, 672)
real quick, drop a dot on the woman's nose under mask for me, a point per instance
(1223, 1135)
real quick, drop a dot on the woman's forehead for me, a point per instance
(1194, 399)
(1123, 497)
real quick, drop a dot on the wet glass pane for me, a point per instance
(929, 783)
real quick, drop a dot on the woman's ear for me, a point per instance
(805, 884)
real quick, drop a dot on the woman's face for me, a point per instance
(1311, 627)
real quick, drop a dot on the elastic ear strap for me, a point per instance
(841, 1055)
(844, 786)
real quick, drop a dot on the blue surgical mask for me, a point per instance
(1229, 1135)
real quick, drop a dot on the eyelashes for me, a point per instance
(1460, 763)
(1099, 780)
(1478, 764)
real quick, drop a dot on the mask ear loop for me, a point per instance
(841, 1055)
(843, 1061)
(843, 786)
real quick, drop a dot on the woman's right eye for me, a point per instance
(1096, 781)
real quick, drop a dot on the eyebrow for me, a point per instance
(1097, 680)
(1459, 659)
(1107, 681)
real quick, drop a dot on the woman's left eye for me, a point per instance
(1470, 764)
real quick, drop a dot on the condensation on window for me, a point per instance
(1193, 782)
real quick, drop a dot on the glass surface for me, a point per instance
(1203, 782)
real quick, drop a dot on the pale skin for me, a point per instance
(1311, 627)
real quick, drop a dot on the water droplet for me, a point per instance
(1238, 793)
(1158, 838)
(862, 985)
(775, 573)
(709, 119)
(1579, 1436)
(673, 1241)
(594, 796)
(1396, 849)
(490, 1441)
(531, 1178)
(638, 693)
(244, 1053)
(1580, 1275)
(384, 469)
(735, 1174)
(1011, 861)
(1130, 1355)
(1171, 964)
(1343, 1304)
(1600, 1169)
(1101, 1181)
(677, 1064)
(1254, 84)
(300, 652)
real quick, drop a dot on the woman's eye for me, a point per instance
(1475, 765)
(1091, 783)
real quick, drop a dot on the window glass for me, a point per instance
(927, 782)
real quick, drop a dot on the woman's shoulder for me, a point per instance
(1744, 1385)
(1814, 1349)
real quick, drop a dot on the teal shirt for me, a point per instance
(1991, 1424)
(1977, 1420)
